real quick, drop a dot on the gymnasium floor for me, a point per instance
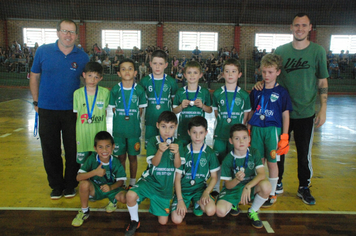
(26, 209)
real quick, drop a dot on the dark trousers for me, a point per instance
(52, 126)
(303, 130)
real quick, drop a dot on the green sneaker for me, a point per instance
(79, 219)
(198, 211)
(111, 207)
(235, 210)
(255, 220)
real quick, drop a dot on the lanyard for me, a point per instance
(35, 129)
(262, 101)
(246, 161)
(158, 100)
(229, 109)
(195, 168)
(90, 114)
(168, 141)
(196, 93)
(127, 108)
(110, 166)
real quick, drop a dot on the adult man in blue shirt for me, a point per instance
(55, 75)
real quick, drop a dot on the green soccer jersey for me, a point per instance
(85, 132)
(241, 105)
(232, 164)
(187, 113)
(208, 163)
(168, 91)
(300, 73)
(127, 128)
(114, 170)
(161, 177)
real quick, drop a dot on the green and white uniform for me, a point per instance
(229, 169)
(86, 132)
(187, 113)
(208, 163)
(114, 172)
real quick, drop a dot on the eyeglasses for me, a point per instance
(68, 31)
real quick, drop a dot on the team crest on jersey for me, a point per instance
(274, 97)
(74, 65)
(203, 162)
(251, 165)
(165, 87)
(100, 104)
(134, 98)
(171, 156)
(238, 101)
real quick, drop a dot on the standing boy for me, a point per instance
(244, 176)
(160, 89)
(101, 176)
(270, 119)
(90, 103)
(191, 100)
(231, 105)
(127, 100)
(190, 181)
(164, 155)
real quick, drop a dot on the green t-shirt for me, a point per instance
(86, 132)
(114, 171)
(187, 113)
(229, 169)
(127, 128)
(161, 177)
(168, 91)
(208, 163)
(300, 73)
(241, 105)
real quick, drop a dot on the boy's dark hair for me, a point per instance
(127, 60)
(103, 135)
(272, 60)
(193, 64)
(198, 121)
(237, 127)
(159, 53)
(301, 14)
(234, 62)
(167, 116)
(67, 21)
(94, 67)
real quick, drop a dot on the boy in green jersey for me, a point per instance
(127, 100)
(244, 176)
(231, 105)
(101, 176)
(90, 103)
(164, 156)
(190, 181)
(191, 100)
(160, 89)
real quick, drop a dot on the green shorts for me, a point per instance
(82, 157)
(150, 132)
(265, 140)
(159, 206)
(187, 198)
(99, 194)
(132, 146)
(222, 148)
(234, 195)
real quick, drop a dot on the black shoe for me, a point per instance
(214, 194)
(235, 210)
(255, 220)
(69, 192)
(132, 227)
(56, 194)
(279, 188)
(304, 194)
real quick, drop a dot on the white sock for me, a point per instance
(273, 182)
(133, 212)
(258, 202)
(217, 185)
(84, 210)
(132, 181)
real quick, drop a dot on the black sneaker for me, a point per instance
(255, 220)
(304, 194)
(214, 194)
(279, 188)
(56, 194)
(69, 193)
(132, 227)
(235, 210)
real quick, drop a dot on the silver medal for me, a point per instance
(191, 103)
(192, 182)
(158, 107)
(242, 169)
(169, 141)
(90, 121)
(127, 117)
(228, 120)
(262, 117)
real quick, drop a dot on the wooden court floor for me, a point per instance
(26, 209)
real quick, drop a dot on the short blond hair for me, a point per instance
(272, 60)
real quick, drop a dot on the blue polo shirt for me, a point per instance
(276, 101)
(60, 75)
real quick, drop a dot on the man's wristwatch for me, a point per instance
(35, 103)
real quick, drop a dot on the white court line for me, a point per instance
(17, 130)
(268, 227)
(5, 135)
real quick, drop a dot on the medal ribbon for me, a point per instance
(195, 168)
(246, 161)
(196, 93)
(158, 100)
(229, 109)
(160, 138)
(262, 101)
(127, 108)
(35, 129)
(110, 166)
(90, 114)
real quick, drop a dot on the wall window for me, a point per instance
(206, 41)
(269, 41)
(126, 39)
(343, 42)
(39, 35)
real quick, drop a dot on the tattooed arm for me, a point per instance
(323, 94)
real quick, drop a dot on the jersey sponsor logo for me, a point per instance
(83, 118)
(274, 97)
(100, 104)
(94, 118)
(294, 64)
